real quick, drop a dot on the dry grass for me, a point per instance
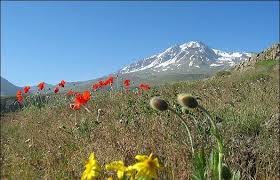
(245, 106)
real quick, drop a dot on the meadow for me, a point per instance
(52, 141)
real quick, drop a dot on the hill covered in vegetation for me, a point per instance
(52, 141)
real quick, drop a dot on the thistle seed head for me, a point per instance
(158, 104)
(187, 100)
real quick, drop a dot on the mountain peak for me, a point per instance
(190, 57)
(192, 44)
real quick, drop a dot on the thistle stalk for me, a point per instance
(198, 127)
(187, 100)
(186, 126)
(159, 104)
(218, 139)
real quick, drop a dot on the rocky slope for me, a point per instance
(271, 53)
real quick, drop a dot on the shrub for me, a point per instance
(223, 73)
(267, 63)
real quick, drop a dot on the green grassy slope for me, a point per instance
(53, 142)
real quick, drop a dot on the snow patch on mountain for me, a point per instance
(215, 65)
(187, 57)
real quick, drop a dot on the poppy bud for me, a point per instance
(187, 100)
(158, 104)
(72, 106)
(75, 106)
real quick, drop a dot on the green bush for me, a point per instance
(267, 63)
(259, 76)
(223, 73)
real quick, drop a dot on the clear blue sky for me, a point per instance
(50, 41)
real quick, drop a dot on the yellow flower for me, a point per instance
(147, 167)
(121, 169)
(92, 168)
(110, 178)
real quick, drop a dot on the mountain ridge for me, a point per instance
(190, 57)
(271, 53)
(188, 61)
(7, 88)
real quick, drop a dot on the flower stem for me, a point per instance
(218, 139)
(87, 109)
(199, 128)
(75, 117)
(186, 126)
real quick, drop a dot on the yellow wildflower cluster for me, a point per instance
(92, 168)
(145, 169)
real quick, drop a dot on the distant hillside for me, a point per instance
(7, 88)
(48, 88)
(190, 61)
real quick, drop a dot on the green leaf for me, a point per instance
(236, 175)
(226, 172)
(142, 178)
(214, 165)
(199, 164)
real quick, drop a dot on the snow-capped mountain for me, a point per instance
(191, 58)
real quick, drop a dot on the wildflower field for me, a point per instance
(224, 127)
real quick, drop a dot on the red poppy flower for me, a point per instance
(82, 98)
(41, 85)
(20, 99)
(19, 93)
(26, 89)
(19, 96)
(145, 86)
(56, 90)
(62, 83)
(105, 82)
(101, 83)
(95, 87)
(110, 81)
(126, 82)
(86, 95)
(70, 92)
